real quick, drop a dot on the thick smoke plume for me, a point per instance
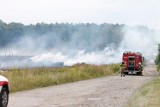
(68, 44)
(134, 39)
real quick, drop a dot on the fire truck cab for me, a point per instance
(134, 62)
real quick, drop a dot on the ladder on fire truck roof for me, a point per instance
(126, 52)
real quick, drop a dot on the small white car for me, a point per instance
(4, 91)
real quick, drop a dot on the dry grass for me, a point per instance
(31, 78)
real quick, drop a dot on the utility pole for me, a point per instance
(8, 52)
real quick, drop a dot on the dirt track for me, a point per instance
(110, 91)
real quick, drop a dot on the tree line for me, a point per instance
(88, 36)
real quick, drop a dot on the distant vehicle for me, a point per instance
(4, 91)
(134, 62)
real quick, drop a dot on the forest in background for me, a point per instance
(62, 36)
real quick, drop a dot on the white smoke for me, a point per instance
(49, 57)
(135, 40)
(101, 57)
(139, 40)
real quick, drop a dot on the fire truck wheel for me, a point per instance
(4, 98)
(140, 73)
(126, 73)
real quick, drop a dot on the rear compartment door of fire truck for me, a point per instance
(131, 63)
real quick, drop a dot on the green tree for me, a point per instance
(157, 61)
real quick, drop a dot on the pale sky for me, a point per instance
(130, 12)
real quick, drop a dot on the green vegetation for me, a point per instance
(158, 68)
(31, 78)
(147, 96)
(157, 61)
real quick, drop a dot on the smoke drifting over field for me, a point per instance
(135, 40)
(47, 45)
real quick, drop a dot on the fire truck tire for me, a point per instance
(126, 73)
(140, 73)
(4, 97)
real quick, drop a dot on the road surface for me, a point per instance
(109, 91)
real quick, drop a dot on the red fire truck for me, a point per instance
(134, 62)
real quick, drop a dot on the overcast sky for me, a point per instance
(130, 12)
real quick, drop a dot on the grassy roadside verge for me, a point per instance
(148, 95)
(31, 78)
